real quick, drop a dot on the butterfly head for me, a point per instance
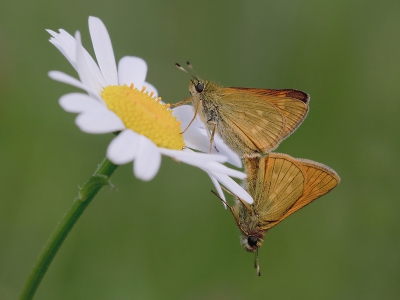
(252, 241)
(197, 86)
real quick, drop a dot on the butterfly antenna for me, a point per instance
(245, 204)
(182, 69)
(191, 68)
(232, 211)
(256, 264)
(223, 201)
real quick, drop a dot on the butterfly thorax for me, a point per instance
(205, 94)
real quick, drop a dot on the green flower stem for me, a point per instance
(85, 196)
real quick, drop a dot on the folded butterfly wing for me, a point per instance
(319, 180)
(252, 124)
(280, 183)
(292, 104)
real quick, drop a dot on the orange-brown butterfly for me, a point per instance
(250, 121)
(280, 185)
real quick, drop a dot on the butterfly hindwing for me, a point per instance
(280, 184)
(319, 180)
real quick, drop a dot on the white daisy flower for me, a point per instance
(147, 127)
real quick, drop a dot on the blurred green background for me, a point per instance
(170, 238)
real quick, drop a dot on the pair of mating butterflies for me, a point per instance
(253, 122)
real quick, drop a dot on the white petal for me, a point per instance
(132, 69)
(65, 78)
(148, 159)
(78, 103)
(196, 140)
(123, 148)
(193, 158)
(66, 44)
(235, 188)
(103, 49)
(218, 187)
(223, 149)
(185, 114)
(150, 88)
(99, 122)
(85, 72)
(217, 167)
(196, 136)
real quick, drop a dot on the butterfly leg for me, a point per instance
(194, 117)
(245, 204)
(212, 136)
(184, 101)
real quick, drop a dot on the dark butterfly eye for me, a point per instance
(252, 240)
(199, 87)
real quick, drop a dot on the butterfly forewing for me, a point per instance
(292, 104)
(295, 112)
(280, 184)
(241, 136)
(260, 121)
(320, 179)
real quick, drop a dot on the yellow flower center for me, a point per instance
(145, 115)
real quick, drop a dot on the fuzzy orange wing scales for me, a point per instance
(293, 104)
(319, 180)
(281, 184)
(260, 121)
